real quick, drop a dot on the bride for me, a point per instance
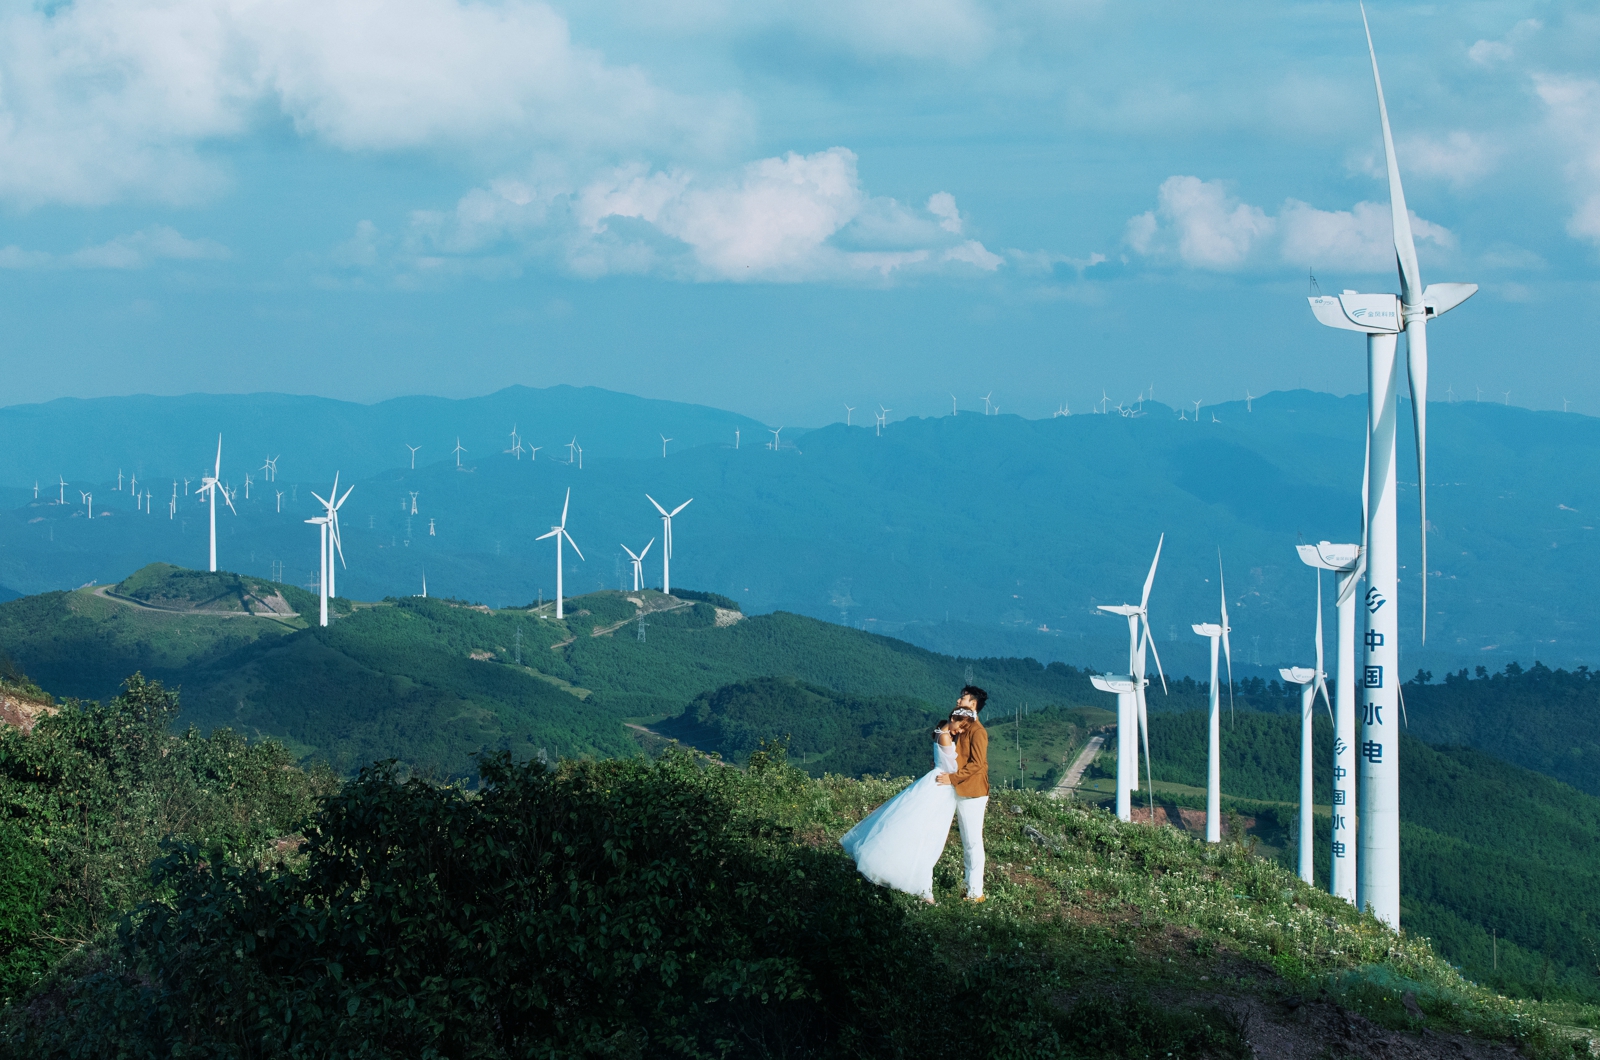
(898, 844)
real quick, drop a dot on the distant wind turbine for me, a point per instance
(952, 404)
(321, 522)
(773, 445)
(458, 450)
(414, 449)
(666, 539)
(1349, 563)
(331, 505)
(848, 409)
(638, 563)
(988, 407)
(664, 441)
(1310, 682)
(559, 531)
(533, 451)
(209, 486)
(1137, 724)
(1247, 399)
(63, 483)
(1217, 632)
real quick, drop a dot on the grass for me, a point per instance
(1090, 899)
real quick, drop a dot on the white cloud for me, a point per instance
(1495, 52)
(106, 99)
(784, 219)
(1198, 224)
(943, 206)
(1573, 106)
(136, 250)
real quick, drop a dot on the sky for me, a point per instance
(782, 208)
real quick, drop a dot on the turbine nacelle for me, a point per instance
(1298, 675)
(1123, 684)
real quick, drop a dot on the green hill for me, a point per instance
(665, 909)
(434, 682)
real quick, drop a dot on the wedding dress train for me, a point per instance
(898, 844)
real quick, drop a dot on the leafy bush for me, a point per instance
(87, 797)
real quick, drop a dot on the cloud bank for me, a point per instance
(108, 99)
(136, 250)
(782, 219)
(1199, 224)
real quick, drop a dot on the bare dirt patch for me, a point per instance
(23, 714)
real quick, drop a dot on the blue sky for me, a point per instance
(783, 207)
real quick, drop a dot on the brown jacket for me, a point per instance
(971, 778)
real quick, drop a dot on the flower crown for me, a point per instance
(963, 712)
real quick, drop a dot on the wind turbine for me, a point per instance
(533, 452)
(208, 488)
(558, 532)
(63, 483)
(414, 449)
(1310, 682)
(1133, 716)
(1382, 317)
(883, 418)
(1247, 399)
(458, 450)
(664, 441)
(331, 505)
(666, 539)
(88, 503)
(1348, 563)
(848, 409)
(280, 500)
(775, 439)
(638, 563)
(987, 406)
(322, 552)
(1216, 631)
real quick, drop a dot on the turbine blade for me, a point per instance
(1417, 368)
(554, 530)
(1227, 651)
(647, 549)
(564, 505)
(629, 551)
(682, 506)
(229, 502)
(660, 509)
(1151, 642)
(337, 545)
(346, 497)
(573, 543)
(1150, 579)
(1366, 482)
(218, 472)
(1405, 251)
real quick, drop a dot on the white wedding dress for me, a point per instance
(898, 844)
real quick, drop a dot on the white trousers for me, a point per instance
(969, 815)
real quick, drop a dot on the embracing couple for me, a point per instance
(898, 844)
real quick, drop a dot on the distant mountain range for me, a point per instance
(973, 535)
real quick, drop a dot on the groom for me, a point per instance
(971, 781)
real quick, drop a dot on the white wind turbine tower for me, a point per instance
(209, 486)
(1216, 632)
(558, 532)
(638, 563)
(414, 449)
(664, 441)
(1348, 561)
(883, 419)
(322, 522)
(1382, 317)
(63, 484)
(331, 505)
(458, 450)
(987, 406)
(666, 540)
(1310, 682)
(1133, 716)
(848, 409)
(775, 439)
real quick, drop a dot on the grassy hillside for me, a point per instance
(671, 909)
(433, 682)
(1500, 865)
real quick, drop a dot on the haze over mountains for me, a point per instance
(972, 534)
